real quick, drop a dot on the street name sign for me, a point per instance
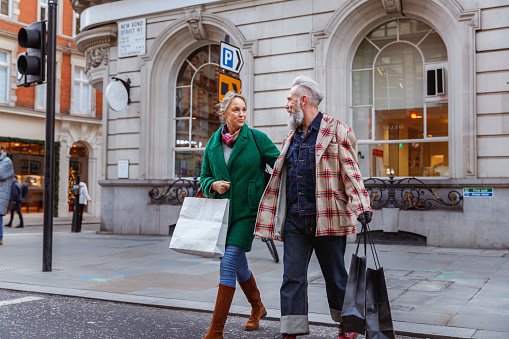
(231, 58)
(227, 83)
(478, 192)
(132, 37)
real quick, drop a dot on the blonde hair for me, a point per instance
(227, 100)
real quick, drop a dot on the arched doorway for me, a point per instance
(78, 169)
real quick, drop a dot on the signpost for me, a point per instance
(132, 37)
(231, 58)
(227, 83)
(478, 192)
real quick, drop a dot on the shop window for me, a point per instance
(82, 96)
(78, 169)
(28, 162)
(399, 101)
(4, 76)
(196, 117)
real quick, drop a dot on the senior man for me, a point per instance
(312, 202)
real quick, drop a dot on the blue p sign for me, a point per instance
(228, 57)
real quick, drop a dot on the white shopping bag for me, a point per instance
(201, 228)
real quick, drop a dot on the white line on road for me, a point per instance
(19, 300)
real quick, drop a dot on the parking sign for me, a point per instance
(231, 58)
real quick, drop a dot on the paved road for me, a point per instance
(32, 315)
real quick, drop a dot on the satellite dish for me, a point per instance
(117, 95)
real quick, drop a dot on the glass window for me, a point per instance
(196, 118)
(40, 96)
(5, 7)
(76, 24)
(4, 76)
(81, 92)
(398, 132)
(43, 7)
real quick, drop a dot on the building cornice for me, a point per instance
(80, 5)
(98, 37)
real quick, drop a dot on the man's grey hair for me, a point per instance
(309, 87)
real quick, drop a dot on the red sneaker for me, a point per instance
(345, 335)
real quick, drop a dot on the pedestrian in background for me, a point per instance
(317, 193)
(16, 200)
(233, 169)
(6, 173)
(84, 198)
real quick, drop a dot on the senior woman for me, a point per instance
(233, 169)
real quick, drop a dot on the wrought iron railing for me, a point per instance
(177, 191)
(408, 193)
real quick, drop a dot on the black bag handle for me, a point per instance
(367, 238)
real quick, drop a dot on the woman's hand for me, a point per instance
(221, 186)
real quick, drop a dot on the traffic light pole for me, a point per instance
(49, 154)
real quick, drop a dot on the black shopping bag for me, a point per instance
(378, 311)
(353, 314)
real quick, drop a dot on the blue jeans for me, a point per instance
(299, 242)
(233, 266)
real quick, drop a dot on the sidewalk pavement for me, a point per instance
(434, 292)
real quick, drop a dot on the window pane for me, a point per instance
(188, 164)
(399, 78)
(362, 123)
(406, 159)
(182, 133)
(77, 97)
(365, 55)
(43, 13)
(433, 48)
(199, 57)
(215, 51)
(383, 34)
(205, 92)
(399, 124)
(183, 100)
(3, 57)
(412, 30)
(4, 7)
(362, 88)
(41, 96)
(85, 103)
(185, 75)
(3, 83)
(437, 120)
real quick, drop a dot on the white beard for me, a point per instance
(295, 119)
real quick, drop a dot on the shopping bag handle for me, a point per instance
(373, 248)
(363, 232)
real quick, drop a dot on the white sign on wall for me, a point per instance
(123, 169)
(132, 37)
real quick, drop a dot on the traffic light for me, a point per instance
(31, 65)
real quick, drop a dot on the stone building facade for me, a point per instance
(422, 82)
(78, 106)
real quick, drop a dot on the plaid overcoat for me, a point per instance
(340, 192)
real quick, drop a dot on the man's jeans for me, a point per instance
(299, 242)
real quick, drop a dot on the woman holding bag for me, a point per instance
(233, 169)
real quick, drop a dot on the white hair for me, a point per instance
(309, 87)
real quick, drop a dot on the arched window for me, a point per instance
(196, 118)
(399, 101)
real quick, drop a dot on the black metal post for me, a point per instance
(49, 153)
(392, 192)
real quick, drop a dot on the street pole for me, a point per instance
(49, 153)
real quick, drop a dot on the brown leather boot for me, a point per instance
(223, 303)
(257, 309)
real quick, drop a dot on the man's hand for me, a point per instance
(365, 217)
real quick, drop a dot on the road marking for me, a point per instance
(19, 300)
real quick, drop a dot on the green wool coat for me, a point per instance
(246, 176)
